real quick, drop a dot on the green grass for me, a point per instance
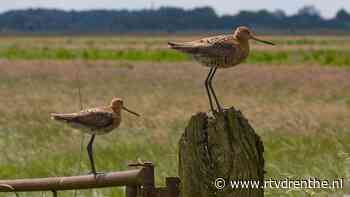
(311, 41)
(324, 57)
(323, 155)
(13, 53)
(328, 57)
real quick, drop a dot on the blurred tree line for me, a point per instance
(166, 19)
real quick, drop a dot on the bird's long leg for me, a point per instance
(212, 89)
(208, 91)
(90, 153)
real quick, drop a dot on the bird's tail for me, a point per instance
(185, 47)
(63, 117)
(172, 44)
(177, 45)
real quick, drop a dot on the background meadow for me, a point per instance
(296, 95)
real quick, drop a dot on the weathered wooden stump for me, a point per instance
(223, 147)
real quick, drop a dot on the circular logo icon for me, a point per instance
(220, 183)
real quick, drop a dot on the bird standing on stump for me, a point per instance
(223, 51)
(95, 121)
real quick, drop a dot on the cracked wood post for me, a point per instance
(226, 147)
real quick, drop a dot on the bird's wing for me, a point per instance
(222, 45)
(90, 118)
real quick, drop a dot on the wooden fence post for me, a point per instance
(224, 147)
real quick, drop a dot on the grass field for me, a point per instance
(296, 95)
(326, 51)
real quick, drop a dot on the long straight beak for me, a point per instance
(132, 112)
(263, 41)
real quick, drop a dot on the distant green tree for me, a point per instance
(343, 15)
(164, 19)
(309, 10)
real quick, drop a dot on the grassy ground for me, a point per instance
(324, 57)
(326, 51)
(300, 110)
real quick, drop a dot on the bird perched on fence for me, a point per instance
(223, 51)
(95, 121)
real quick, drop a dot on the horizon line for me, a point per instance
(157, 8)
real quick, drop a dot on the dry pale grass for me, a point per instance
(151, 42)
(299, 99)
(300, 111)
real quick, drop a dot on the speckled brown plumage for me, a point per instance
(98, 120)
(95, 121)
(218, 51)
(221, 51)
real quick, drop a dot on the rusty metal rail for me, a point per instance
(130, 177)
(139, 183)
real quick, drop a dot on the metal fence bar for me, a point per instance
(131, 191)
(139, 183)
(124, 178)
(149, 186)
(173, 184)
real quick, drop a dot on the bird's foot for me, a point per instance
(213, 111)
(220, 110)
(217, 112)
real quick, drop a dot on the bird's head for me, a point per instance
(117, 105)
(244, 33)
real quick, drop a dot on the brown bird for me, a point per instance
(223, 51)
(95, 121)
